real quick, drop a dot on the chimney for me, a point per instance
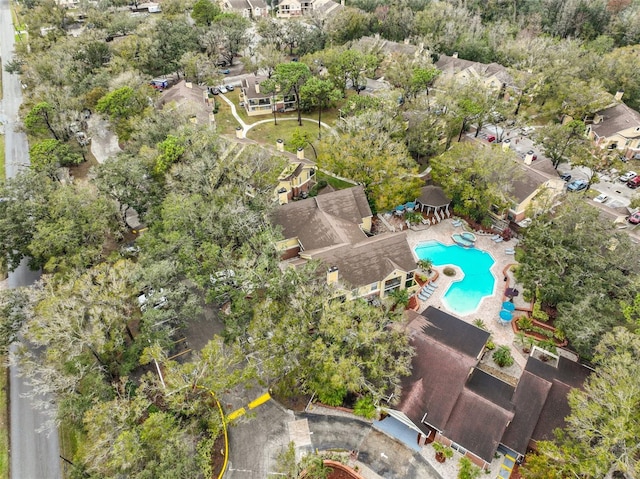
(528, 158)
(455, 55)
(280, 144)
(257, 87)
(342, 2)
(239, 132)
(619, 94)
(406, 41)
(300, 153)
(332, 275)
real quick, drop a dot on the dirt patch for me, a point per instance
(294, 403)
(81, 172)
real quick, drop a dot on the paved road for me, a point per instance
(33, 455)
(385, 456)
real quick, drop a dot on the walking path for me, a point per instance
(246, 127)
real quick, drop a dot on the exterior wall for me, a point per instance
(289, 9)
(469, 455)
(296, 185)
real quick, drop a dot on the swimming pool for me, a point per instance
(463, 296)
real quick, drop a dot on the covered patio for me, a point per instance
(433, 203)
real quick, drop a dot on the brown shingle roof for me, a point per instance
(437, 378)
(529, 399)
(477, 424)
(524, 185)
(615, 119)
(454, 333)
(324, 221)
(370, 260)
(433, 196)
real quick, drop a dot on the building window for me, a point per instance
(459, 448)
(409, 281)
(391, 284)
(374, 287)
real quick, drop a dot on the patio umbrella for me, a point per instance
(512, 292)
(400, 208)
(508, 306)
(506, 315)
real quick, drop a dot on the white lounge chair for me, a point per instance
(499, 240)
(510, 251)
(495, 237)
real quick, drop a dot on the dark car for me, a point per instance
(566, 176)
(360, 87)
(214, 91)
(577, 185)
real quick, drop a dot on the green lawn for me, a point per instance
(268, 133)
(4, 423)
(225, 121)
(334, 182)
(70, 439)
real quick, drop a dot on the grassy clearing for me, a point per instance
(268, 133)
(225, 121)
(4, 422)
(70, 440)
(334, 182)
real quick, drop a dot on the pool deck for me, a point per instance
(490, 306)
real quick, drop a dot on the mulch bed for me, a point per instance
(337, 474)
(217, 455)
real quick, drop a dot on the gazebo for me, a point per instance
(432, 200)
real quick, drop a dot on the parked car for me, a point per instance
(633, 183)
(634, 219)
(527, 130)
(491, 138)
(229, 87)
(627, 176)
(158, 300)
(226, 71)
(577, 185)
(565, 176)
(360, 87)
(214, 90)
(222, 89)
(601, 198)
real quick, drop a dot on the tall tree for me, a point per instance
(291, 76)
(475, 178)
(231, 33)
(560, 141)
(320, 93)
(601, 437)
(368, 155)
(204, 12)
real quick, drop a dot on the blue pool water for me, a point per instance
(463, 296)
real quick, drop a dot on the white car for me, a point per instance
(601, 198)
(628, 176)
(223, 89)
(157, 300)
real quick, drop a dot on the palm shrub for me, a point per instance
(502, 356)
(468, 470)
(364, 407)
(425, 265)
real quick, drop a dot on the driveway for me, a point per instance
(384, 455)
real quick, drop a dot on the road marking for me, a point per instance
(236, 414)
(261, 400)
